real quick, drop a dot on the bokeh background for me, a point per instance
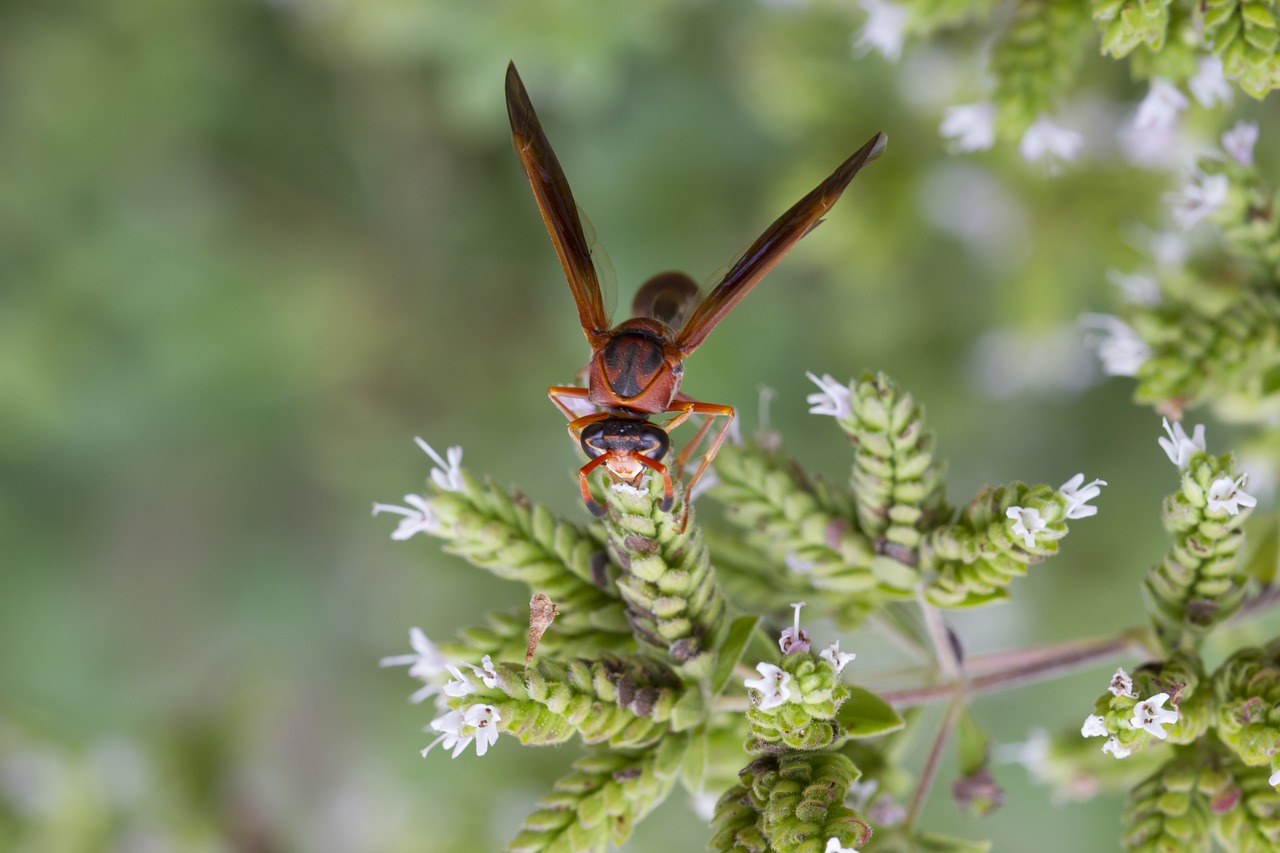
(249, 249)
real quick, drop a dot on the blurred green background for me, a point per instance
(249, 249)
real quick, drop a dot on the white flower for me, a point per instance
(1114, 747)
(1177, 446)
(1122, 684)
(1200, 196)
(969, 127)
(1228, 494)
(1049, 143)
(1078, 496)
(833, 846)
(1118, 346)
(772, 685)
(1026, 523)
(461, 685)
(425, 663)
(832, 400)
(459, 728)
(1150, 715)
(1160, 108)
(1137, 288)
(1275, 778)
(1209, 85)
(416, 520)
(884, 30)
(838, 659)
(795, 638)
(1239, 141)
(1094, 726)
(448, 475)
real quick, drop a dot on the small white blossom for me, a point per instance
(1094, 726)
(1159, 110)
(458, 729)
(1114, 747)
(884, 30)
(832, 400)
(425, 663)
(833, 846)
(1026, 523)
(1177, 446)
(416, 520)
(1227, 494)
(1150, 715)
(1209, 84)
(795, 638)
(1200, 196)
(1118, 346)
(1239, 141)
(838, 659)
(1049, 143)
(1077, 495)
(1122, 684)
(1137, 288)
(448, 475)
(969, 127)
(772, 685)
(484, 720)
(1274, 779)
(461, 685)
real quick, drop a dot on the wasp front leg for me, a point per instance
(685, 409)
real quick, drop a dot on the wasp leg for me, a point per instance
(668, 490)
(585, 471)
(686, 409)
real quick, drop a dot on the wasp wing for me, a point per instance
(558, 209)
(772, 245)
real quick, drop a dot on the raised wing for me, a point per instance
(765, 252)
(555, 203)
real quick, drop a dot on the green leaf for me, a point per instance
(973, 744)
(735, 642)
(693, 770)
(864, 714)
(690, 709)
(892, 573)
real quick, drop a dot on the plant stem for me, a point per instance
(930, 769)
(943, 650)
(1010, 669)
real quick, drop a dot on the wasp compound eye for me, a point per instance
(594, 440)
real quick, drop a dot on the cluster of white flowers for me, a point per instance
(1239, 141)
(774, 683)
(833, 846)
(457, 728)
(1150, 715)
(418, 517)
(1225, 494)
(969, 127)
(1161, 107)
(1027, 521)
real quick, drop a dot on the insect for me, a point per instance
(636, 366)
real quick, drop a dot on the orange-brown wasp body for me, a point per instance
(636, 367)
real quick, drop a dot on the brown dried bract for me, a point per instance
(542, 612)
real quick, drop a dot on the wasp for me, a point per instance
(636, 366)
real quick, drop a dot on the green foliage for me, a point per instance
(601, 800)
(1169, 811)
(1244, 33)
(1200, 581)
(1125, 24)
(1036, 59)
(789, 804)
